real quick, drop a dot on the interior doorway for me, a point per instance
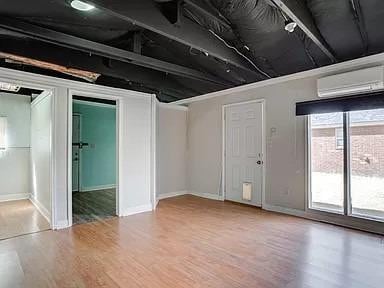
(243, 152)
(94, 159)
(25, 160)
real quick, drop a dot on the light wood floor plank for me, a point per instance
(194, 242)
(20, 217)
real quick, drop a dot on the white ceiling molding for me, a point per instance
(365, 62)
(172, 106)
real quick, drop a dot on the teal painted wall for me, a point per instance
(98, 160)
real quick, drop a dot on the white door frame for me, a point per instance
(51, 90)
(223, 165)
(60, 88)
(119, 146)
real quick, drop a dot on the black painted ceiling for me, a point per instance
(253, 30)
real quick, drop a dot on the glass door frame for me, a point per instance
(346, 172)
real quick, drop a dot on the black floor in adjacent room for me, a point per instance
(93, 205)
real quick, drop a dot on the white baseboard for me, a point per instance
(171, 194)
(14, 197)
(43, 211)
(207, 195)
(185, 192)
(99, 187)
(137, 209)
(61, 225)
(284, 210)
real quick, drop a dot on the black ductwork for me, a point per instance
(234, 41)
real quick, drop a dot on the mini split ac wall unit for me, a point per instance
(352, 83)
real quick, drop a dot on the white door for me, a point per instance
(76, 152)
(243, 153)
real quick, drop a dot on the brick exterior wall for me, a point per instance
(367, 151)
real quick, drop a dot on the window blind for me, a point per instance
(341, 104)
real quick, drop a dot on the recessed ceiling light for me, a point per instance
(290, 25)
(9, 87)
(82, 6)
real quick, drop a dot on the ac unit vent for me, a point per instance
(352, 83)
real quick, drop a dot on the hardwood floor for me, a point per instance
(194, 242)
(93, 205)
(19, 218)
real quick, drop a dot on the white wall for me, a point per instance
(135, 158)
(136, 139)
(41, 115)
(171, 149)
(285, 155)
(14, 162)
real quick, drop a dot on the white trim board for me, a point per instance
(193, 193)
(43, 211)
(154, 126)
(14, 197)
(137, 210)
(172, 106)
(96, 104)
(171, 194)
(364, 62)
(61, 225)
(207, 195)
(99, 187)
(41, 82)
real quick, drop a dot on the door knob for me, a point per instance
(259, 162)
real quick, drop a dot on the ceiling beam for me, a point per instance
(128, 73)
(359, 18)
(301, 15)
(208, 11)
(146, 14)
(69, 41)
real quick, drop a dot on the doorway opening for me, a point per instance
(243, 152)
(25, 160)
(94, 159)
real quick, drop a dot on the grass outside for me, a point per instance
(367, 192)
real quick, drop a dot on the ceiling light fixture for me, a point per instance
(290, 25)
(9, 87)
(82, 6)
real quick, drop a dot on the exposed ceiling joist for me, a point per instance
(145, 14)
(65, 40)
(208, 11)
(300, 14)
(360, 23)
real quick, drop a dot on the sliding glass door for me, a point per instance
(367, 163)
(346, 163)
(327, 162)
